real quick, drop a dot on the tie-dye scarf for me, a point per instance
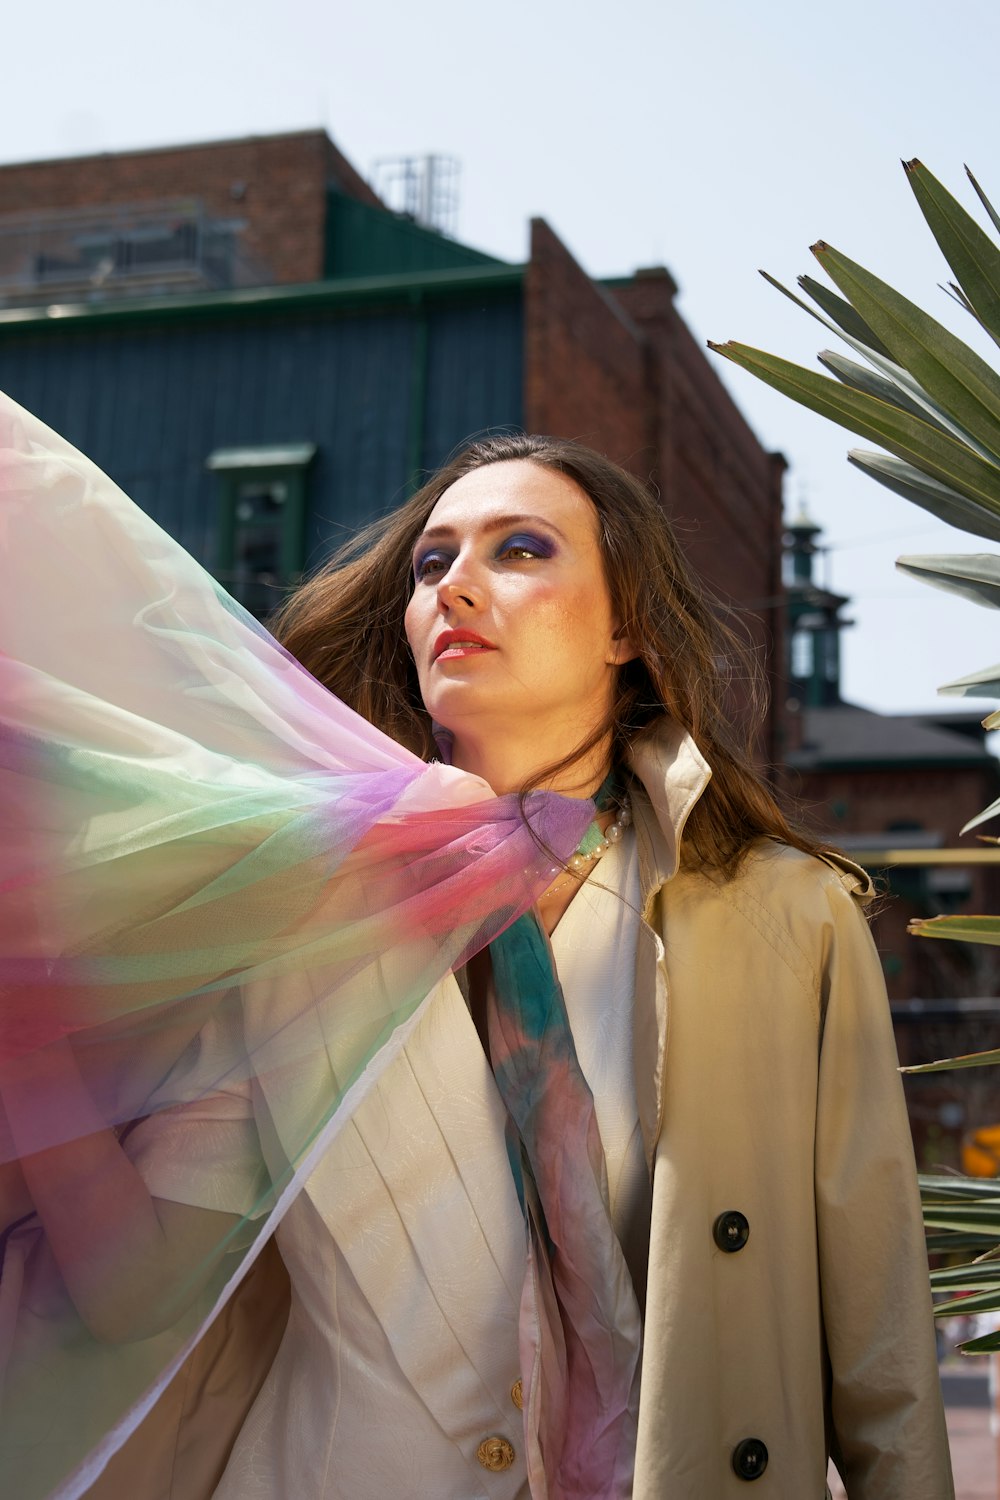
(580, 1327)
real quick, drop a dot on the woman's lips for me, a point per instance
(451, 653)
(453, 644)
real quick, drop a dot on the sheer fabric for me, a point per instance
(406, 1249)
(199, 842)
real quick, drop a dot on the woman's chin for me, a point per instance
(454, 704)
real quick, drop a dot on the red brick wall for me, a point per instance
(941, 1105)
(942, 800)
(275, 183)
(720, 487)
(584, 374)
(619, 370)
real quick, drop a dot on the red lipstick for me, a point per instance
(452, 641)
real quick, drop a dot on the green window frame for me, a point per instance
(261, 528)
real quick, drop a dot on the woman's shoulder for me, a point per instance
(769, 868)
(796, 905)
(799, 890)
(771, 862)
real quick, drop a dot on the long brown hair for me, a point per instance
(345, 625)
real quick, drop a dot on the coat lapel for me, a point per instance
(430, 1137)
(673, 773)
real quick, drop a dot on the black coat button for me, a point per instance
(731, 1230)
(749, 1459)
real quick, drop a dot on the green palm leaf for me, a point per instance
(968, 249)
(980, 1276)
(960, 929)
(971, 1059)
(841, 317)
(861, 378)
(975, 577)
(985, 683)
(933, 405)
(944, 458)
(860, 338)
(924, 366)
(947, 1242)
(973, 1218)
(939, 499)
(975, 1303)
(847, 319)
(936, 1188)
(951, 373)
(984, 200)
(988, 1344)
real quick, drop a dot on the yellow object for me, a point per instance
(981, 1152)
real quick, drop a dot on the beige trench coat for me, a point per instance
(774, 1096)
(769, 1100)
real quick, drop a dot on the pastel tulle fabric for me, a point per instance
(580, 1330)
(189, 820)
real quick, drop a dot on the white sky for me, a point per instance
(714, 137)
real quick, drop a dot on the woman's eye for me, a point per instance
(430, 564)
(521, 547)
(515, 549)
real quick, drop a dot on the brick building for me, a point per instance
(271, 191)
(264, 356)
(894, 791)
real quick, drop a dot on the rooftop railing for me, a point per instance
(120, 250)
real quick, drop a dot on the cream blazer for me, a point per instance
(787, 1306)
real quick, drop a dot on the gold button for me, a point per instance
(517, 1394)
(495, 1454)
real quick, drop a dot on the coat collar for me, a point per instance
(673, 773)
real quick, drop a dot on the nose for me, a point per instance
(458, 587)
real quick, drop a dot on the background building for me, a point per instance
(265, 357)
(894, 791)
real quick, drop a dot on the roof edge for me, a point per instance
(170, 148)
(412, 287)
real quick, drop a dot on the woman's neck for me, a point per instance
(507, 764)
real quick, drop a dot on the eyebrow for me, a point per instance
(497, 523)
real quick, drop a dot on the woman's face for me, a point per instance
(510, 622)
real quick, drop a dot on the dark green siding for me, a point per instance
(366, 241)
(380, 393)
(473, 368)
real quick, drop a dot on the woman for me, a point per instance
(725, 1220)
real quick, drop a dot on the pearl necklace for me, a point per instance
(592, 847)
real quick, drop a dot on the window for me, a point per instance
(831, 655)
(802, 654)
(261, 531)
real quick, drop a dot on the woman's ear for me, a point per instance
(622, 649)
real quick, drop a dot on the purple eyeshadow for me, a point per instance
(420, 562)
(539, 544)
